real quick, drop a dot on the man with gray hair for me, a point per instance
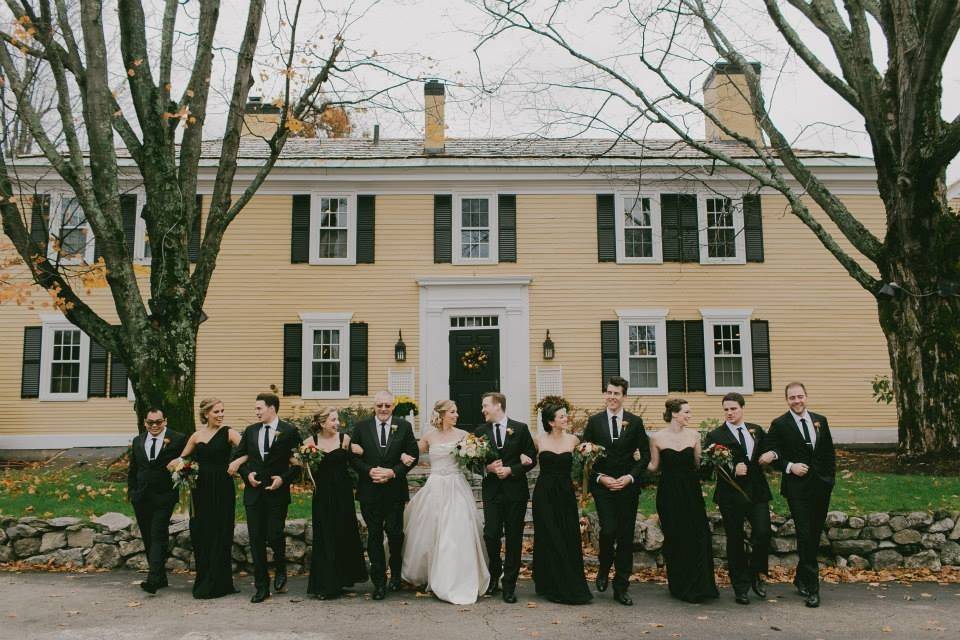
(389, 449)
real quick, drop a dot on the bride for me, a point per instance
(444, 546)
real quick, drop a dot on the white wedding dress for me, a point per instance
(443, 546)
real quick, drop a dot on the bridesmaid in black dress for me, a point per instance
(337, 556)
(557, 554)
(214, 498)
(687, 546)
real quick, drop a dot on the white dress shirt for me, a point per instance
(387, 429)
(734, 429)
(500, 431)
(619, 416)
(810, 430)
(149, 439)
(273, 424)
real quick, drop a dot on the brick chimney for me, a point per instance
(434, 99)
(727, 95)
(260, 119)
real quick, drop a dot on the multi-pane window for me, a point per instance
(637, 228)
(642, 355)
(721, 232)
(727, 355)
(75, 237)
(474, 228)
(65, 361)
(334, 228)
(326, 360)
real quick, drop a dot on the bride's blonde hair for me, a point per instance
(439, 410)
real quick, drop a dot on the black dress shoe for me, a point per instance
(395, 584)
(623, 598)
(742, 598)
(492, 589)
(602, 582)
(813, 600)
(379, 592)
(509, 597)
(260, 595)
(280, 581)
(759, 587)
(149, 587)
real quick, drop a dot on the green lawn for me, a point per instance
(92, 490)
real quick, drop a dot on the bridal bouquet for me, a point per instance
(307, 455)
(721, 458)
(473, 453)
(584, 456)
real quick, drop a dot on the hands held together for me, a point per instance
(616, 484)
(502, 471)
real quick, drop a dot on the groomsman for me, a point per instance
(505, 492)
(267, 474)
(746, 441)
(615, 485)
(389, 449)
(805, 456)
(150, 491)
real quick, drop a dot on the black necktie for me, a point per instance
(806, 432)
(613, 426)
(266, 439)
(383, 434)
(153, 448)
(496, 434)
(743, 441)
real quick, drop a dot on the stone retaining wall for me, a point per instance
(878, 541)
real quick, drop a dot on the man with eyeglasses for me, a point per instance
(150, 491)
(389, 450)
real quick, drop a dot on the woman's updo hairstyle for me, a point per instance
(320, 417)
(205, 406)
(548, 413)
(673, 405)
(439, 410)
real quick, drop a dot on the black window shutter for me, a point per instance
(753, 227)
(609, 350)
(128, 218)
(696, 363)
(293, 358)
(30, 375)
(442, 228)
(358, 358)
(689, 227)
(193, 248)
(676, 357)
(670, 227)
(507, 227)
(760, 341)
(97, 378)
(606, 230)
(40, 219)
(118, 377)
(300, 232)
(366, 229)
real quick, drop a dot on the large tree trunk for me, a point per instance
(164, 376)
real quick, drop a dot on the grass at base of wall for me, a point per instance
(91, 490)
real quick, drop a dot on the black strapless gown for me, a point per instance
(211, 527)
(557, 554)
(337, 555)
(687, 547)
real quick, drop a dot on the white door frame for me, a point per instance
(507, 297)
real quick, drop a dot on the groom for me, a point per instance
(505, 491)
(267, 474)
(389, 449)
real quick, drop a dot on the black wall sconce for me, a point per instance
(400, 349)
(549, 349)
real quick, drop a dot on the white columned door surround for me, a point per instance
(507, 298)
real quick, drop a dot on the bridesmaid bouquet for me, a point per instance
(721, 458)
(185, 473)
(473, 453)
(584, 456)
(307, 455)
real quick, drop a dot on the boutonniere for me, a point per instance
(393, 428)
(509, 431)
(624, 425)
(752, 432)
(166, 441)
(816, 426)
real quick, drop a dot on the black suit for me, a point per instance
(267, 510)
(735, 508)
(809, 496)
(382, 504)
(617, 510)
(505, 501)
(150, 491)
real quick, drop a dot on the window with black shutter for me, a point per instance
(97, 374)
(119, 380)
(753, 227)
(128, 219)
(300, 230)
(40, 219)
(443, 228)
(760, 350)
(609, 351)
(358, 358)
(193, 247)
(366, 229)
(606, 229)
(292, 359)
(30, 373)
(507, 228)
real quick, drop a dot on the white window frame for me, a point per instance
(741, 317)
(655, 224)
(315, 322)
(315, 198)
(493, 225)
(56, 230)
(55, 322)
(140, 235)
(635, 317)
(736, 208)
